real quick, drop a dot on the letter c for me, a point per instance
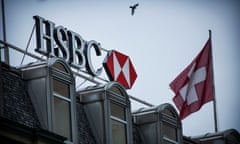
(87, 51)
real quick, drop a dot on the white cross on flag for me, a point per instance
(193, 87)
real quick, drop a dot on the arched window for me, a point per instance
(63, 109)
(115, 90)
(108, 111)
(170, 126)
(118, 117)
(159, 124)
(169, 113)
(60, 67)
(51, 86)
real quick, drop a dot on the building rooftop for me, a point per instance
(23, 120)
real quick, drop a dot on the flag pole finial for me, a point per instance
(210, 33)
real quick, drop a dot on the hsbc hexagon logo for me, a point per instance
(119, 68)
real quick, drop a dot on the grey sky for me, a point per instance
(162, 38)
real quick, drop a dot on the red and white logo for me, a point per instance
(119, 68)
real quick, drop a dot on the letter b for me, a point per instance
(76, 46)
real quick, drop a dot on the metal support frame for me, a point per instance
(79, 73)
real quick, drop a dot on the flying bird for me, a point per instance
(133, 8)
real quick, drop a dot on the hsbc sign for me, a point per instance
(120, 68)
(58, 41)
(69, 45)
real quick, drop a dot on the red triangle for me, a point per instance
(110, 66)
(121, 79)
(121, 58)
(133, 74)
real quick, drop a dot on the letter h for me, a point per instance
(44, 34)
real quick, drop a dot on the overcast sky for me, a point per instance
(162, 38)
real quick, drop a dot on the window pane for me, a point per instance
(170, 132)
(168, 112)
(59, 66)
(118, 132)
(62, 118)
(61, 88)
(116, 90)
(117, 111)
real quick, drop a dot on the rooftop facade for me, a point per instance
(39, 104)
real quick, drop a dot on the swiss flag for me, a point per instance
(193, 87)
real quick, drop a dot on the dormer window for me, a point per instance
(51, 86)
(62, 109)
(159, 125)
(169, 127)
(118, 119)
(118, 124)
(108, 111)
(63, 97)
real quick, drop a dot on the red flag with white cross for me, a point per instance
(193, 87)
(119, 68)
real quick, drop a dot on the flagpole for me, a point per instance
(214, 96)
(6, 50)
